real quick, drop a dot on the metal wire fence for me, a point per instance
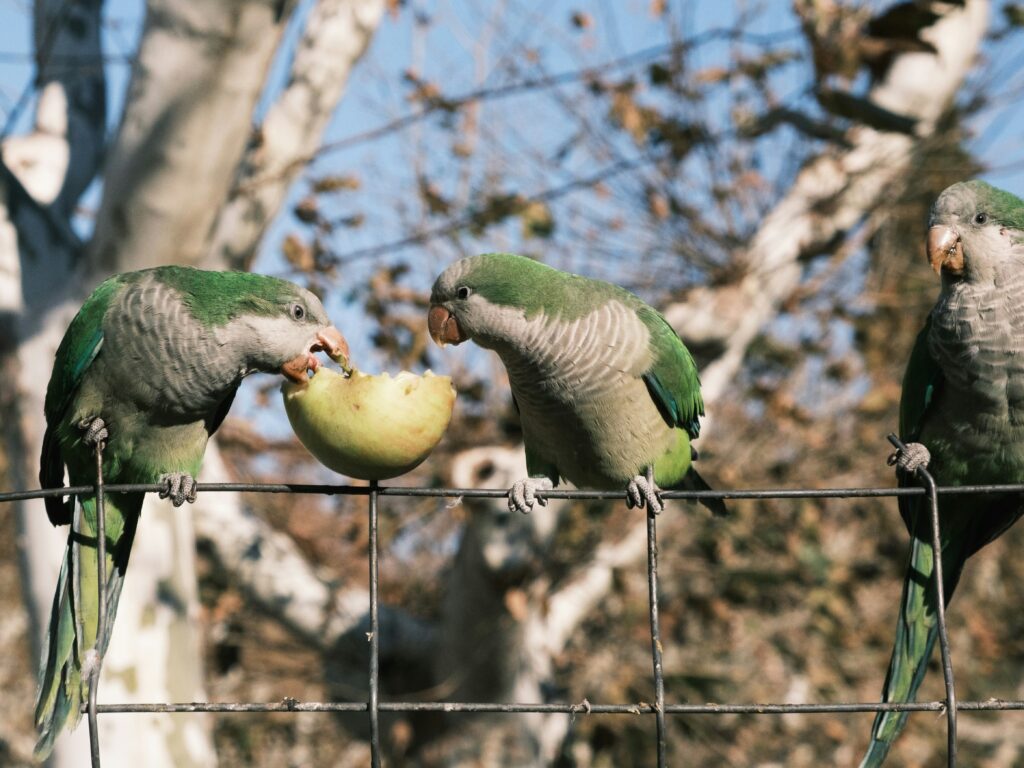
(658, 708)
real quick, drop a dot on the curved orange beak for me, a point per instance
(328, 340)
(945, 251)
(444, 326)
(331, 341)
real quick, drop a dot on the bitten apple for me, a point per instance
(371, 427)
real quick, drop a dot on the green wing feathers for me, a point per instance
(674, 386)
(921, 383)
(79, 347)
(74, 617)
(672, 380)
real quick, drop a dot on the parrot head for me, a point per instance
(973, 227)
(275, 325)
(286, 342)
(477, 297)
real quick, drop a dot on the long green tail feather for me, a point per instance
(74, 616)
(916, 631)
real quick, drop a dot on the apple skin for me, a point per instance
(370, 427)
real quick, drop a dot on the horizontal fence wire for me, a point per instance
(640, 708)
(499, 493)
(373, 706)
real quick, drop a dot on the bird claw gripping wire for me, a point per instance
(642, 490)
(910, 458)
(523, 494)
(179, 487)
(95, 431)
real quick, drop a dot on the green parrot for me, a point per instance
(149, 366)
(962, 415)
(607, 393)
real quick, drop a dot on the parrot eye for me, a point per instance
(980, 218)
(297, 311)
(462, 292)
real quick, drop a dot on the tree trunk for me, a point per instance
(200, 71)
(187, 122)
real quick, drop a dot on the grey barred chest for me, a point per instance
(595, 439)
(983, 371)
(978, 414)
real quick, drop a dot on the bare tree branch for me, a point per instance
(336, 35)
(831, 195)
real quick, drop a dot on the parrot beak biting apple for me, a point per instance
(331, 341)
(945, 251)
(328, 340)
(444, 326)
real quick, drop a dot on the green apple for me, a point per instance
(370, 427)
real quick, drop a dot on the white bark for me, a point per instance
(200, 70)
(271, 569)
(39, 160)
(336, 35)
(831, 195)
(493, 644)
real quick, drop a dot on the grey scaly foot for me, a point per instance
(523, 494)
(95, 431)
(179, 487)
(910, 458)
(642, 490)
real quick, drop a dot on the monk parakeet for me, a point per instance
(149, 366)
(607, 393)
(962, 403)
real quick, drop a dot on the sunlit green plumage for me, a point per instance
(157, 355)
(603, 384)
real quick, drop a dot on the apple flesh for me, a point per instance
(370, 427)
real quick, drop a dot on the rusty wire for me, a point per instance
(373, 706)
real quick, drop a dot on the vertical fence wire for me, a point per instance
(101, 612)
(932, 496)
(656, 649)
(374, 702)
(659, 709)
(940, 613)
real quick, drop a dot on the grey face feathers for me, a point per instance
(472, 298)
(974, 228)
